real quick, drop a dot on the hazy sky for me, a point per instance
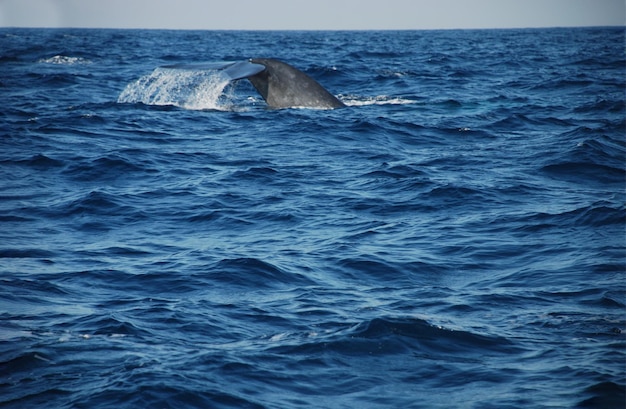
(311, 14)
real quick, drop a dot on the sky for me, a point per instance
(311, 14)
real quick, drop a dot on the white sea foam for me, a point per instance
(64, 60)
(195, 90)
(351, 100)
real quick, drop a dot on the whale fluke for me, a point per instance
(234, 70)
(283, 86)
(280, 84)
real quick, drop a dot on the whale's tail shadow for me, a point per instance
(280, 84)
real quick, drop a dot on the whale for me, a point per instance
(281, 85)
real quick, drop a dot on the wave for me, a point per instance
(26, 253)
(104, 168)
(604, 394)
(396, 335)
(594, 215)
(581, 172)
(254, 274)
(139, 385)
(595, 158)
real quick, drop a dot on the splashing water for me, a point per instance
(195, 90)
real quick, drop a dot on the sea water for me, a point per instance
(454, 237)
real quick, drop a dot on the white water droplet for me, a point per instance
(195, 90)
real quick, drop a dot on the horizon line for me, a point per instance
(313, 29)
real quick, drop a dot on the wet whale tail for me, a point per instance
(280, 84)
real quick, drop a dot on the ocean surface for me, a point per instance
(453, 238)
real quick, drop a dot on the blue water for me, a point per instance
(454, 237)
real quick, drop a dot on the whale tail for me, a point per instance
(280, 84)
